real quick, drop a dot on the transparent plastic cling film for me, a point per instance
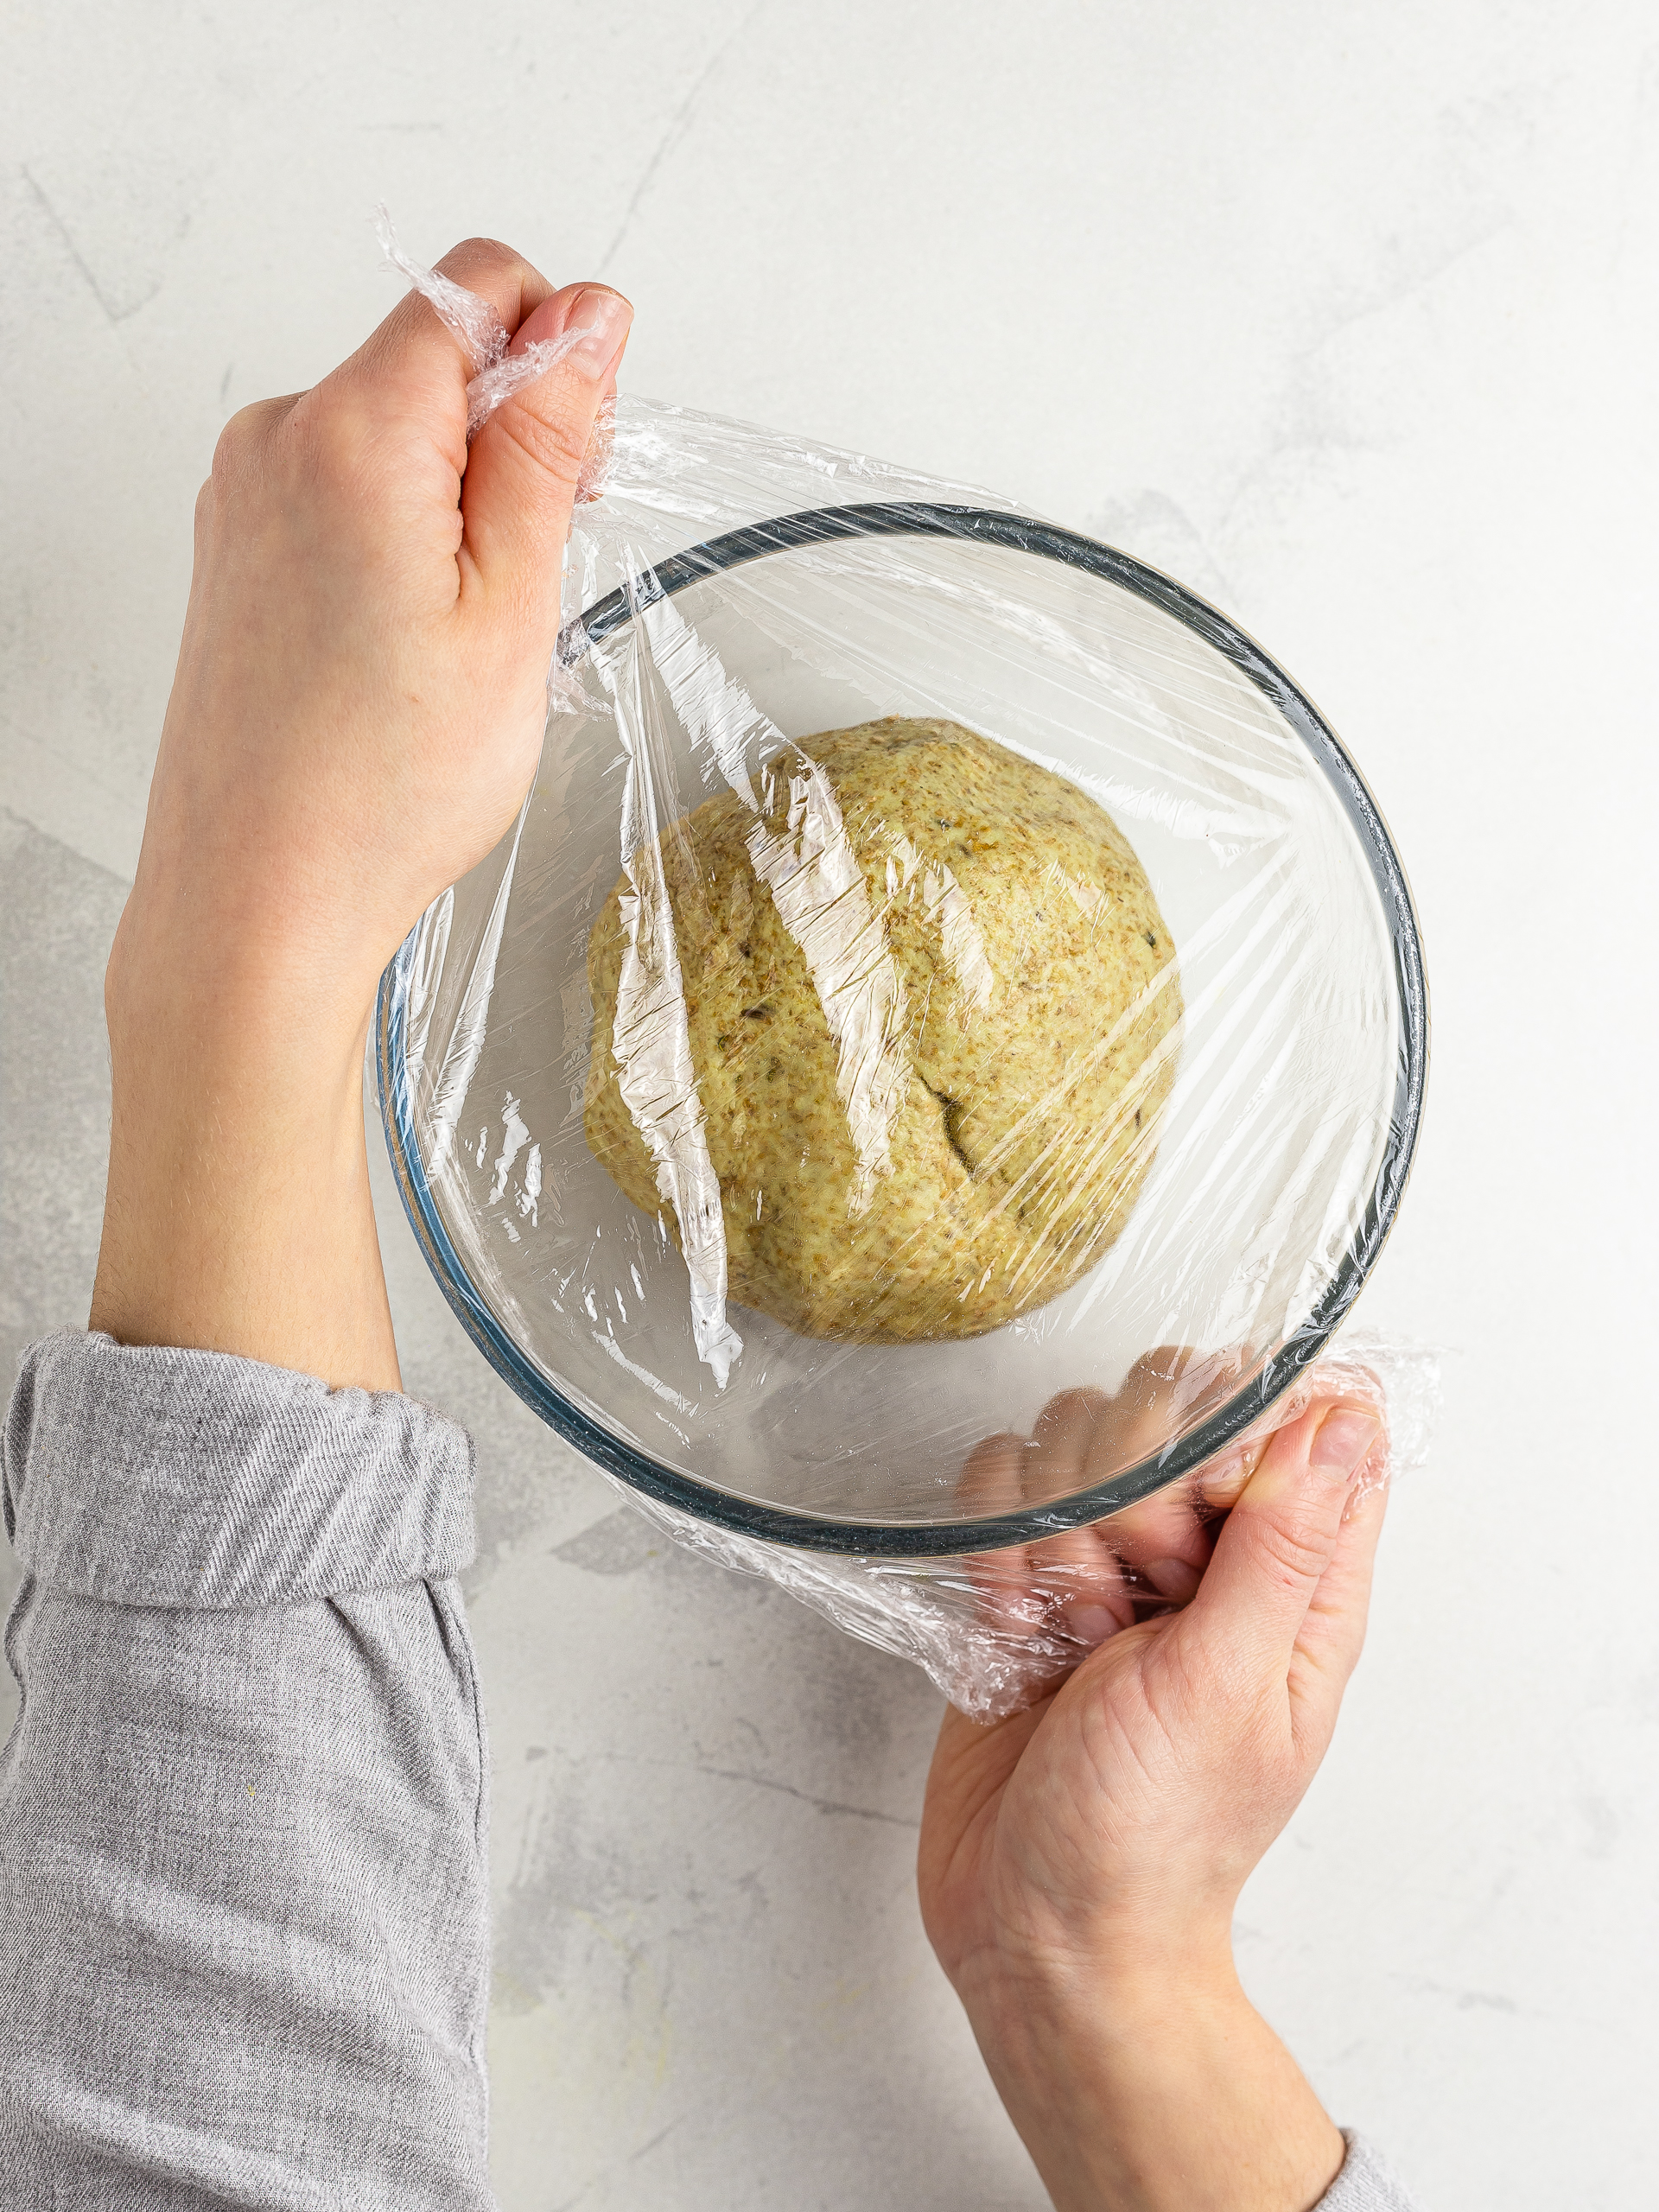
(932, 1062)
(995, 1630)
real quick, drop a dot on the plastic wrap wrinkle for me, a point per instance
(650, 1045)
(454, 1076)
(497, 374)
(989, 1629)
(816, 884)
(819, 889)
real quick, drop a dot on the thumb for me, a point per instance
(525, 463)
(1282, 1534)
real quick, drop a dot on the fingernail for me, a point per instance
(1174, 1579)
(1091, 1625)
(604, 317)
(1344, 1441)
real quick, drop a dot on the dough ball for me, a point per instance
(932, 1010)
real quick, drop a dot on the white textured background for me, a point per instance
(1347, 316)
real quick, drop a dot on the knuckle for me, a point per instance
(1082, 1404)
(1292, 1544)
(334, 444)
(333, 437)
(234, 450)
(243, 450)
(482, 257)
(554, 442)
(993, 1456)
(481, 248)
(989, 1481)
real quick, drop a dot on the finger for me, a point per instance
(526, 461)
(988, 1487)
(1145, 1410)
(1071, 1585)
(596, 462)
(1163, 1541)
(1078, 1574)
(1333, 1637)
(1062, 1440)
(415, 365)
(1218, 1483)
(1281, 1536)
(1164, 1396)
(1220, 1480)
(239, 457)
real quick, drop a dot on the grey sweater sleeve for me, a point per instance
(243, 1895)
(1366, 2183)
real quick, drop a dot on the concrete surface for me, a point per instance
(1349, 317)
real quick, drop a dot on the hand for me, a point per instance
(1080, 1861)
(357, 715)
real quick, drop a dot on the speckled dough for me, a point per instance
(933, 1010)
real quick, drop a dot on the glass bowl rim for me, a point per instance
(936, 1539)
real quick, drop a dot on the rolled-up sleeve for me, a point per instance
(244, 1937)
(1366, 2183)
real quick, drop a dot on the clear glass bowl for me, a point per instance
(1285, 1147)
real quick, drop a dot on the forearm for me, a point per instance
(238, 1216)
(1163, 2091)
(243, 1886)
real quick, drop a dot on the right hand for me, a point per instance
(1080, 1861)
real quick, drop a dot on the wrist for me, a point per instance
(1075, 2023)
(1063, 1970)
(1152, 2084)
(222, 981)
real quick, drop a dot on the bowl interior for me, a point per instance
(1281, 1149)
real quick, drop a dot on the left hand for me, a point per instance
(360, 693)
(357, 713)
